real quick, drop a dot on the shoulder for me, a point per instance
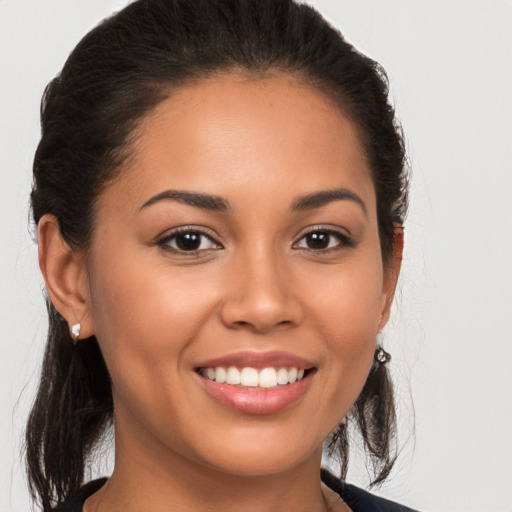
(76, 503)
(360, 500)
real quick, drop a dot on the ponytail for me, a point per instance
(374, 417)
(73, 405)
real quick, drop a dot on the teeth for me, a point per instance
(250, 377)
(268, 378)
(220, 374)
(282, 376)
(233, 376)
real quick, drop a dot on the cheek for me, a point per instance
(144, 317)
(347, 300)
(137, 298)
(346, 308)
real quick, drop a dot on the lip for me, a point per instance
(257, 400)
(258, 360)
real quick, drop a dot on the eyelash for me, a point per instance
(165, 240)
(343, 240)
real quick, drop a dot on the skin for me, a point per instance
(254, 284)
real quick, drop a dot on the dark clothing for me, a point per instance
(357, 499)
(76, 503)
(360, 500)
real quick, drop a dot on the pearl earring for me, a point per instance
(75, 331)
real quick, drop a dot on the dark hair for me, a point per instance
(115, 76)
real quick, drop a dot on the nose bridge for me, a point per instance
(261, 294)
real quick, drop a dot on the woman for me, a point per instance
(219, 192)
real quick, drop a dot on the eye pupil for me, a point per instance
(318, 240)
(188, 241)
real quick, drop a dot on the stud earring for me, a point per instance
(75, 332)
(381, 356)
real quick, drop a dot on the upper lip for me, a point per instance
(258, 360)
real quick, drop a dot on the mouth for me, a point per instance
(248, 377)
(256, 383)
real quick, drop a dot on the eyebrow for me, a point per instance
(318, 199)
(197, 199)
(219, 204)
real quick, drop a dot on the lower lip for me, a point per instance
(257, 400)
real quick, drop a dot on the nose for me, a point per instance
(260, 295)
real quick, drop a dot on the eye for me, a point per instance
(324, 240)
(188, 240)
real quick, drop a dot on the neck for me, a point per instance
(149, 477)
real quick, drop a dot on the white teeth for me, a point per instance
(233, 375)
(282, 376)
(220, 374)
(250, 377)
(268, 378)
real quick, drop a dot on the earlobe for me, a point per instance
(391, 273)
(65, 276)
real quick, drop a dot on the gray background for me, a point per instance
(450, 66)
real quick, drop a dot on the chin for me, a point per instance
(260, 453)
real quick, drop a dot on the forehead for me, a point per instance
(235, 134)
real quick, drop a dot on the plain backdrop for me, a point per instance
(450, 67)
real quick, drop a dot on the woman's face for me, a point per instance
(241, 239)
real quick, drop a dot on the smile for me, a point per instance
(253, 382)
(265, 378)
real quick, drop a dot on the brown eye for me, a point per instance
(318, 240)
(323, 240)
(188, 241)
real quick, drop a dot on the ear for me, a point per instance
(391, 273)
(65, 275)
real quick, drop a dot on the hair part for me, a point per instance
(117, 74)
